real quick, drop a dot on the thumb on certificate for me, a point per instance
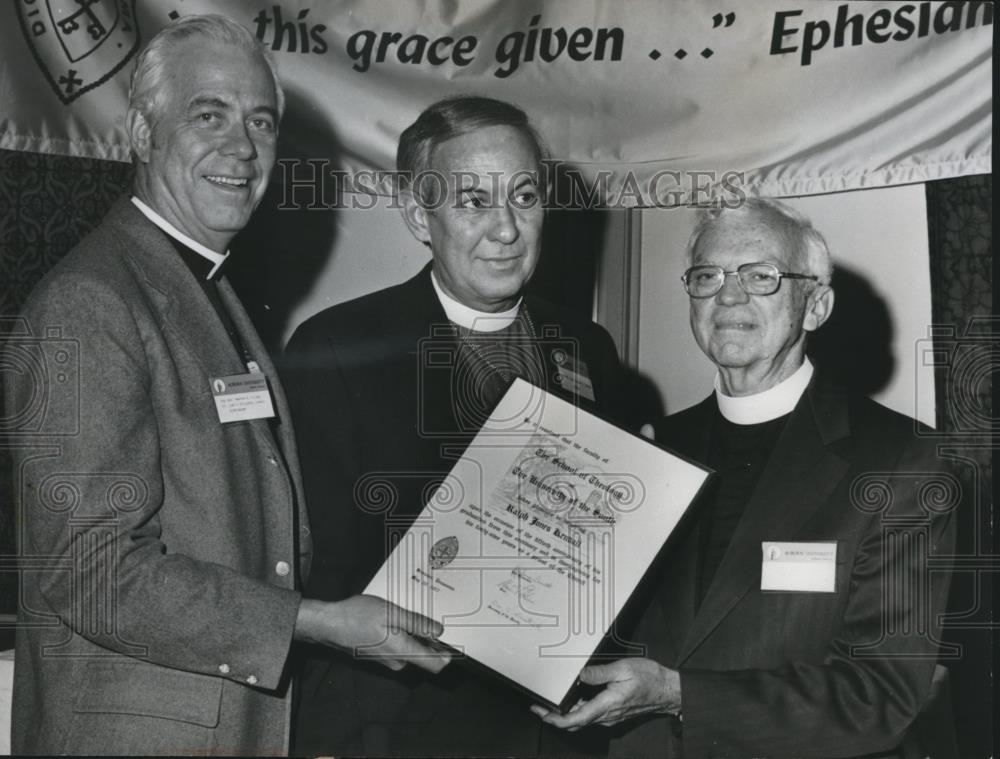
(418, 624)
(433, 661)
(647, 432)
(423, 652)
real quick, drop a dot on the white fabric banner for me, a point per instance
(654, 103)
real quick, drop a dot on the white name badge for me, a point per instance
(241, 397)
(808, 567)
(572, 375)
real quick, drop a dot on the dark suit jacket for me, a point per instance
(808, 674)
(377, 402)
(155, 615)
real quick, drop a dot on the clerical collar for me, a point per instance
(770, 404)
(470, 318)
(217, 259)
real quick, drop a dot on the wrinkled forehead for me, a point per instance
(197, 69)
(740, 236)
(489, 150)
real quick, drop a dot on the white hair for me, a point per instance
(811, 247)
(147, 88)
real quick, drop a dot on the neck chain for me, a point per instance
(500, 371)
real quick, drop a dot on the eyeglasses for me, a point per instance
(755, 279)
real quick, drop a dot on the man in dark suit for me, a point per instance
(162, 523)
(386, 392)
(799, 616)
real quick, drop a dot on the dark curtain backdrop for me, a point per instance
(47, 203)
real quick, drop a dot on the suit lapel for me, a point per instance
(694, 437)
(182, 303)
(677, 592)
(253, 344)
(431, 339)
(799, 477)
(187, 311)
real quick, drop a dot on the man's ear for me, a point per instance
(140, 134)
(818, 308)
(415, 216)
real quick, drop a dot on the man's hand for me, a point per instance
(634, 687)
(370, 628)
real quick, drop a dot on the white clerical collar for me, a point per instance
(470, 318)
(217, 259)
(770, 404)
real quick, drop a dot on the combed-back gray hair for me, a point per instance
(811, 247)
(147, 88)
(454, 117)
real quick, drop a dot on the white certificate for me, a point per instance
(534, 542)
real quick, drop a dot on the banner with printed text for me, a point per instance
(647, 102)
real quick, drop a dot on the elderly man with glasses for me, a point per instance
(799, 613)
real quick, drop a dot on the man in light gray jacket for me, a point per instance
(162, 527)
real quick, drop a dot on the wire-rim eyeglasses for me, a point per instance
(705, 280)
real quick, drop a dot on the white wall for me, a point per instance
(372, 249)
(881, 235)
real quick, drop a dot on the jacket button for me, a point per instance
(272, 461)
(224, 669)
(282, 569)
(252, 680)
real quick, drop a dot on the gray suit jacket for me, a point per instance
(160, 549)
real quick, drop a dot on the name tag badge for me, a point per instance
(572, 375)
(241, 397)
(808, 567)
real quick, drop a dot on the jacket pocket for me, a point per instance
(147, 690)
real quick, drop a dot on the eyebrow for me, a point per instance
(217, 102)
(480, 188)
(204, 100)
(266, 109)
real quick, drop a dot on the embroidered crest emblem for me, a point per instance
(444, 552)
(79, 44)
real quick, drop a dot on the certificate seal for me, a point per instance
(443, 552)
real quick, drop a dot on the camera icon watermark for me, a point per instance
(41, 374)
(460, 379)
(964, 367)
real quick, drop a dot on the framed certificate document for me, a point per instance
(536, 539)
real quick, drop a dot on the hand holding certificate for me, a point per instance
(530, 548)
